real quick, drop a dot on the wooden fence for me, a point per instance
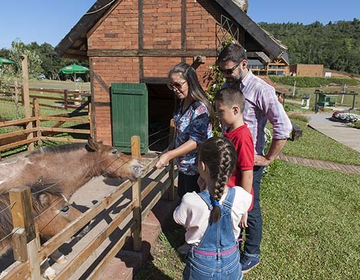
(27, 265)
(33, 130)
(64, 98)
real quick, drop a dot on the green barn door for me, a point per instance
(129, 115)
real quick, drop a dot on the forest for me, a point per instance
(336, 45)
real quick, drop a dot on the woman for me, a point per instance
(193, 126)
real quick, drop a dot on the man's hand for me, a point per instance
(261, 160)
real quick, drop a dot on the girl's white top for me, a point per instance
(193, 213)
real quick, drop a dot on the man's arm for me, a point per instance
(276, 147)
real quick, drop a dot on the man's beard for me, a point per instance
(233, 81)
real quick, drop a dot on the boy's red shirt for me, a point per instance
(244, 146)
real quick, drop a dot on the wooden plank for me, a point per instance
(17, 122)
(19, 244)
(65, 130)
(153, 53)
(111, 254)
(90, 248)
(17, 270)
(155, 200)
(34, 265)
(22, 216)
(17, 133)
(96, 273)
(65, 234)
(136, 196)
(19, 143)
(50, 118)
(154, 182)
(62, 139)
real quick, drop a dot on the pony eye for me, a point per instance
(65, 209)
(114, 152)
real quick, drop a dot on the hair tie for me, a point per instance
(216, 203)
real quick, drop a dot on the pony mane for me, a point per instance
(58, 149)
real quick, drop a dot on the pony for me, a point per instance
(53, 175)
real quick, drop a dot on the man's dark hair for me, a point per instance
(233, 52)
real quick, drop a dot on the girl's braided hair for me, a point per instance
(219, 155)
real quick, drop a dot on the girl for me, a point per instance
(211, 217)
(193, 126)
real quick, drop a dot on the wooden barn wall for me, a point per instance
(155, 29)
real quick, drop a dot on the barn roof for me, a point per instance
(259, 43)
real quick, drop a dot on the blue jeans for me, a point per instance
(254, 229)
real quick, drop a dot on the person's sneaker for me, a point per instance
(183, 249)
(248, 263)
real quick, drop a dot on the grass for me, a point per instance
(315, 145)
(310, 215)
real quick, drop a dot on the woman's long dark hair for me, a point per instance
(219, 155)
(195, 89)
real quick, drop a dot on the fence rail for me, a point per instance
(66, 98)
(33, 130)
(129, 219)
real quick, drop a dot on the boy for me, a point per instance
(230, 104)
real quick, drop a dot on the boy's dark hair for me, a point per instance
(230, 97)
(233, 52)
(220, 157)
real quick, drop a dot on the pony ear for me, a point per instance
(92, 145)
(44, 199)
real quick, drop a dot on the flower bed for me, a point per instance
(345, 117)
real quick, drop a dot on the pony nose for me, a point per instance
(137, 168)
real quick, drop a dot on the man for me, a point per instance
(261, 105)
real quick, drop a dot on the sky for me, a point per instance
(48, 21)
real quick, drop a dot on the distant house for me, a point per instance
(277, 67)
(307, 70)
(131, 45)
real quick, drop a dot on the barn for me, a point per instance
(131, 45)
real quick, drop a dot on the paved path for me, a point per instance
(337, 131)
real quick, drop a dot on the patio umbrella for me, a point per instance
(6, 61)
(74, 69)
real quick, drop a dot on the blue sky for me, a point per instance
(49, 21)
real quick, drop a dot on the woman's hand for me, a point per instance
(163, 161)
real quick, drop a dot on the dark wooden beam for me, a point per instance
(141, 36)
(154, 80)
(152, 53)
(183, 27)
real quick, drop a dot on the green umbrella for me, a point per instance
(6, 61)
(74, 69)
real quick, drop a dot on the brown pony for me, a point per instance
(65, 168)
(53, 175)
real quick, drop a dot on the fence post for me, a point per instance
(65, 99)
(136, 195)
(26, 97)
(24, 229)
(36, 109)
(171, 190)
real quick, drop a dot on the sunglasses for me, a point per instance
(229, 71)
(175, 85)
